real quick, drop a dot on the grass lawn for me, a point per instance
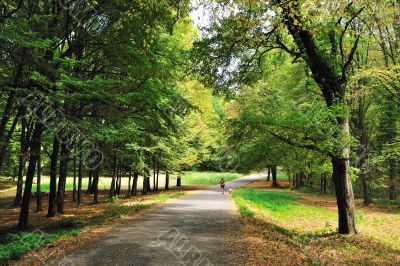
(207, 178)
(283, 209)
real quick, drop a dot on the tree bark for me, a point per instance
(112, 186)
(89, 186)
(158, 173)
(129, 184)
(145, 184)
(269, 174)
(95, 186)
(134, 183)
(179, 182)
(274, 176)
(74, 182)
(166, 180)
(52, 210)
(154, 173)
(6, 140)
(35, 150)
(80, 177)
(63, 178)
(3, 123)
(24, 146)
(38, 184)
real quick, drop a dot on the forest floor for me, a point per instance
(288, 227)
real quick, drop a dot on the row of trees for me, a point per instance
(94, 88)
(315, 79)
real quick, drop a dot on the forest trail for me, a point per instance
(198, 229)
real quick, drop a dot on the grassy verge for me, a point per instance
(313, 229)
(282, 208)
(208, 178)
(18, 244)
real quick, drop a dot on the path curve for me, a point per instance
(197, 229)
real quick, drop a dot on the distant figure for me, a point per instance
(222, 184)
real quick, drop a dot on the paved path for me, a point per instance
(194, 230)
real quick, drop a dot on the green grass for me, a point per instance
(207, 178)
(283, 208)
(21, 243)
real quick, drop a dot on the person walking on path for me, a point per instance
(222, 184)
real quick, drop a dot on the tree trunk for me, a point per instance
(129, 184)
(74, 184)
(290, 183)
(269, 174)
(158, 173)
(145, 184)
(3, 123)
(38, 184)
(274, 176)
(6, 140)
(95, 186)
(63, 178)
(179, 182)
(332, 87)
(134, 184)
(154, 173)
(112, 186)
(89, 186)
(52, 210)
(166, 180)
(80, 177)
(22, 161)
(35, 150)
(298, 181)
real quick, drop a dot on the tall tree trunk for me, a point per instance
(88, 189)
(134, 184)
(4, 121)
(269, 174)
(158, 173)
(166, 180)
(298, 181)
(179, 182)
(24, 145)
(145, 184)
(129, 183)
(52, 210)
(38, 184)
(333, 90)
(74, 183)
(343, 186)
(6, 140)
(80, 177)
(35, 150)
(95, 185)
(63, 178)
(112, 186)
(290, 183)
(274, 176)
(154, 173)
